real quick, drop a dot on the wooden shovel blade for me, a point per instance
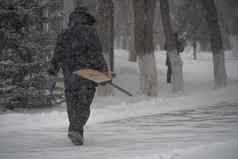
(93, 75)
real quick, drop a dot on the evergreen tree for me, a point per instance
(24, 50)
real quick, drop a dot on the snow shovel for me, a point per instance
(99, 78)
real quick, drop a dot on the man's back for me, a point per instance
(78, 48)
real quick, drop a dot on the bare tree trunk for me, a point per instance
(3, 40)
(124, 11)
(159, 34)
(216, 43)
(175, 59)
(144, 46)
(59, 20)
(132, 52)
(194, 49)
(105, 18)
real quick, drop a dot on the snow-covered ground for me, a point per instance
(200, 123)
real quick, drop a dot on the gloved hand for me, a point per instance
(103, 84)
(110, 75)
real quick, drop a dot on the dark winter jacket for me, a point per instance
(77, 48)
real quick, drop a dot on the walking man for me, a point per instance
(78, 47)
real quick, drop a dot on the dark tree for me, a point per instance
(121, 10)
(192, 24)
(144, 45)
(105, 21)
(220, 75)
(132, 53)
(105, 18)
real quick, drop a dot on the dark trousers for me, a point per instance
(169, 74)
(78, 106)
(169, 69)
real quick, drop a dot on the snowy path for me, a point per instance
(168, 127)
(160, 136)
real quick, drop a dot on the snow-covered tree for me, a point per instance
(105, 21)
(220, 75)
(23, 55)
(144, 45)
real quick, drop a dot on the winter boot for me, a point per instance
(76, 137)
